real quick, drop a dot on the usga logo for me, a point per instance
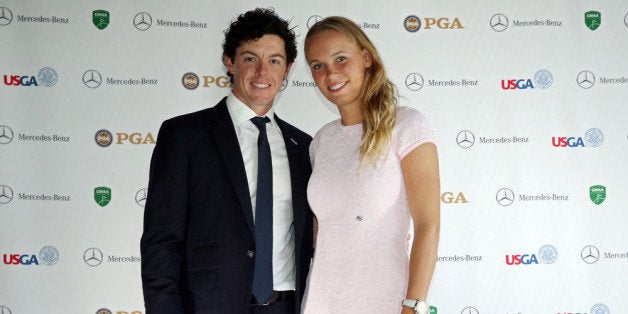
(593, 137)
(449, 198)
(547, 255)
(413, 23)
(104, 138)
(48, 255)
(542, 79)
(47, 77)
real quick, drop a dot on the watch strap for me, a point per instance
(419, 306)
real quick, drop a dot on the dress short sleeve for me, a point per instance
(411, 130)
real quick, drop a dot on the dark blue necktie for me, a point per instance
(263, 275)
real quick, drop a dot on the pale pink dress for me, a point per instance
(361, 259)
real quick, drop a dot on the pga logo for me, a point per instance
(413, 23)
(451, 198)
(135, 138)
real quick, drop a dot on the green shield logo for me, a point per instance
(433, 310)
(100, 18)
(592, 19)
(102, 195)
(597, 194)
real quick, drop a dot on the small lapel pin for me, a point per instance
(293, 141)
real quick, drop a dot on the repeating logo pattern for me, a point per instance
(103, 138)
(92, 78)
(100, 18)
(49, 255)
(190, 80)
(548, 254)
(6, 134)
(102, 195)
(501, 26)
(93, 257)
(6, 16)
(48, 77)
(592, 19)
(140, 197)
(505, 196)
(590, 254)
(313, 20)
(6, 194)
(499, 22)
(543, 78)
(412, 23)
(597, 194)
(142, 21)
(414, 81)
(585, 79)
(600, 309)
(469, 310)
(465, 139)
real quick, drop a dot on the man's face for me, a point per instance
(258, 68)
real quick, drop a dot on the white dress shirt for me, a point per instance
(284, 275)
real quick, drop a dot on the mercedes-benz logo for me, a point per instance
(470, 310)
(465, 139)
(6, 16)
(142, 21)
(590, 254)
(505, 196)
(6, 134)
(140, 197)
(414, 81)
(284, 84)
(586, 79)
(4, 310)
(93, 257)
(92, 79)
(313, 20)
(499, 22)
(6, 194)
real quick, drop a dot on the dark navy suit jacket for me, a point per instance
(198, 245)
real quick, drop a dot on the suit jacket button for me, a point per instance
(250, 253)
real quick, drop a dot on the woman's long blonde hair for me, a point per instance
(378, 96)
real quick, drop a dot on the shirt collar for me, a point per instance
(241, 113)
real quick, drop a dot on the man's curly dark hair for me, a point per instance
(254, 24)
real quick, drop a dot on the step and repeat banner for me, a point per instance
(528, 100)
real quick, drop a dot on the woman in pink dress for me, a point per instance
(375, 171)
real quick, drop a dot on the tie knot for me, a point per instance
(260, 123)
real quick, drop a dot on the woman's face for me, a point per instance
(338, 67)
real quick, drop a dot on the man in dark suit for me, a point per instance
(227, 227)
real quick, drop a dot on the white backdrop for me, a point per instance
(520, 232)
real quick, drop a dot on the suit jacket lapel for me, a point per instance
(224, 134)
(292, 149)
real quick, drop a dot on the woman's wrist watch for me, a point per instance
(419, 306)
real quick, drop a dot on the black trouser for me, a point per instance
(284, 305)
